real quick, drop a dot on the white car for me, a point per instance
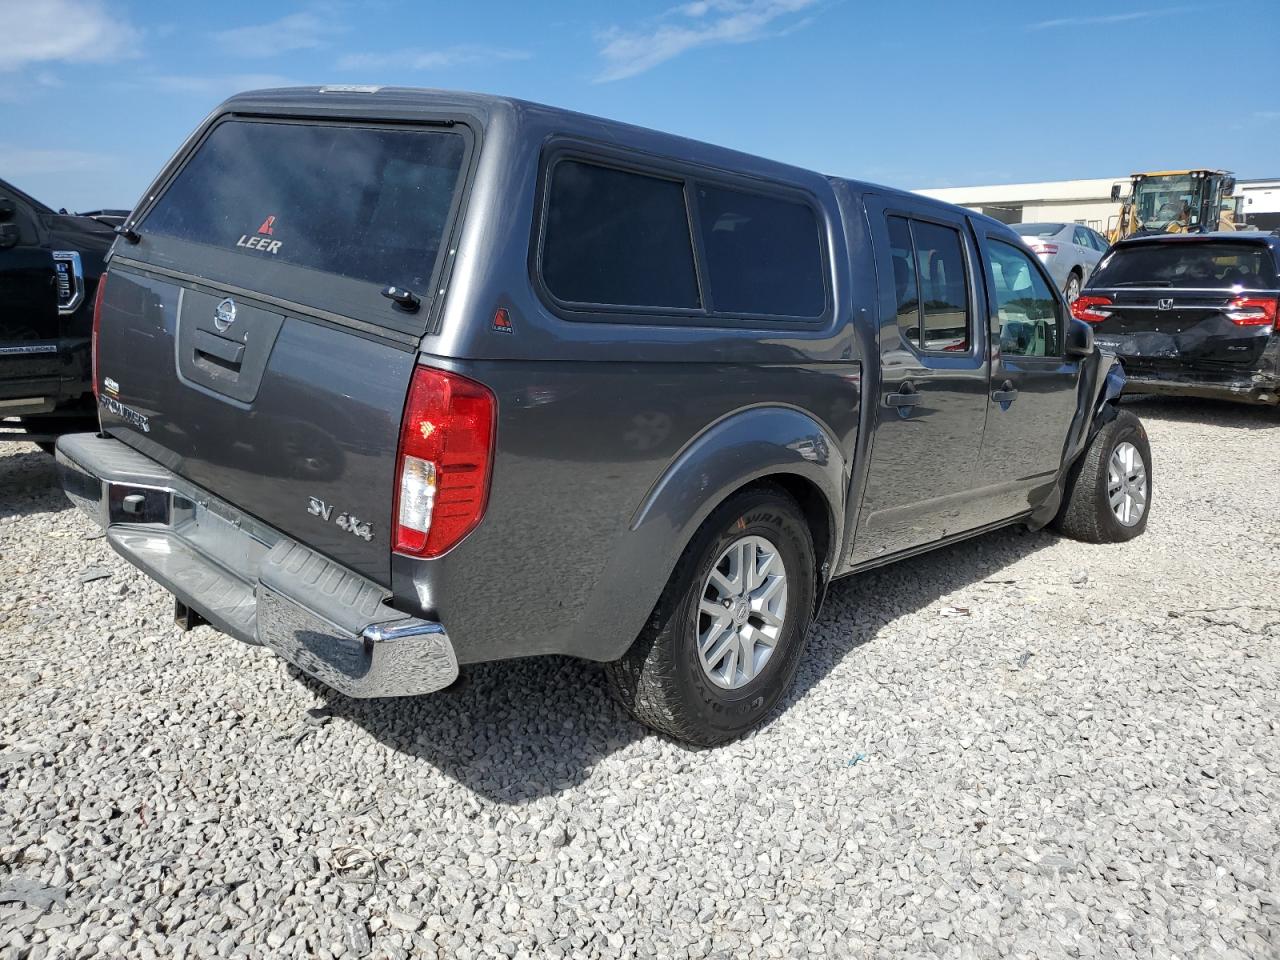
(1069, 251)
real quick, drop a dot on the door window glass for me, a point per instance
(904, 279)
(1082, 238)
(944, 294)
(1030, 325)
(618, 238)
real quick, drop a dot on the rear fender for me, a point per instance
(744, 447)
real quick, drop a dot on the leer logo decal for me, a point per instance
(262, 241)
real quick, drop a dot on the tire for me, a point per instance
(1087, 513)
(661, 679)
(1072, 289)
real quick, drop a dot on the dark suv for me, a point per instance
(49, 268)
(394, 380)
(1192, 314)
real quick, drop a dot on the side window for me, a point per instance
(931, 285)
(1030, 325)
(944, 290)
(763, 254)
(1099, 241)
(904, 278)
(1082, 238)
(618, 238)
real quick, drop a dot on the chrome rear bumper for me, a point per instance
(250, 580)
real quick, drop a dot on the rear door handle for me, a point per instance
(1005, 395)
(904, 399)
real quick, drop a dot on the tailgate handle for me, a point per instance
(230, 352)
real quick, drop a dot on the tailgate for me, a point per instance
(293, 422)
(245, 342)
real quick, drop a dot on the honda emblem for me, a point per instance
(1165, 304)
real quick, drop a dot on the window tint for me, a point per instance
(1186, 263)
(367, 203)
(944, 297)
(617, 238)
(1028, 311)
(763, 254)
(904, 278)
(1082, 238)
(930, 285)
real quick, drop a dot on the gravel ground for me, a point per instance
(1021, 746)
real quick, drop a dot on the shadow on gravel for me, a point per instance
(29, 482)
(520, 729)
(1217, 413)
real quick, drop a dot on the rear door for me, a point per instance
(1034, 384)
(245, 339)
(28, 305)
(1186, 302)
(932, 396)
(1089, 255)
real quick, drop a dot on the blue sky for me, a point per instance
(95, 94)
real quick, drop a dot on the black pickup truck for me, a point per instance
(50, 263)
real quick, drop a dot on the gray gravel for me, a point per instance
(1021, 746)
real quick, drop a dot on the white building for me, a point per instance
(1089, 201)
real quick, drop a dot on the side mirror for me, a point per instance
(1115, 191)
(7, 209)
(1079, 338)
(9, 236)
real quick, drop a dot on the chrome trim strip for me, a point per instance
(28, 348)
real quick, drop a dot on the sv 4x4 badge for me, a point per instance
(348, 522)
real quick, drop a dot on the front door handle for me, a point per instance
(1005, 395)
(904, 399)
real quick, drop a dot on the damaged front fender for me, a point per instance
(1102, 381)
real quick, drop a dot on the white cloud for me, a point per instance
(19, 162)
(71, 31)
(697, 24)
(217, 85)
(429, 59)
(297, 31)
(1103, 19)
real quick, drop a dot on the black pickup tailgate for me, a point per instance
(245, 342)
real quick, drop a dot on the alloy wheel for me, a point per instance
(1127, 486)
(741, 612)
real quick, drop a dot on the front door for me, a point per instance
(932, 391)
(1034, 385)
(28, 306)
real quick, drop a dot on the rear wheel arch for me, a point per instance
(774, 446)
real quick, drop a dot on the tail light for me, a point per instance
(1089, 309)
(1252, 311)
(444, 462)
(1044, 248)
(97, 323)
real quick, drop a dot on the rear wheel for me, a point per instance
(726, 636)
(1072, 291)
(1108, 495)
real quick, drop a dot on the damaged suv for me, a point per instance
(1191, 314)
(394, 380)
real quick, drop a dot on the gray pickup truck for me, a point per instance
(395, 380)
